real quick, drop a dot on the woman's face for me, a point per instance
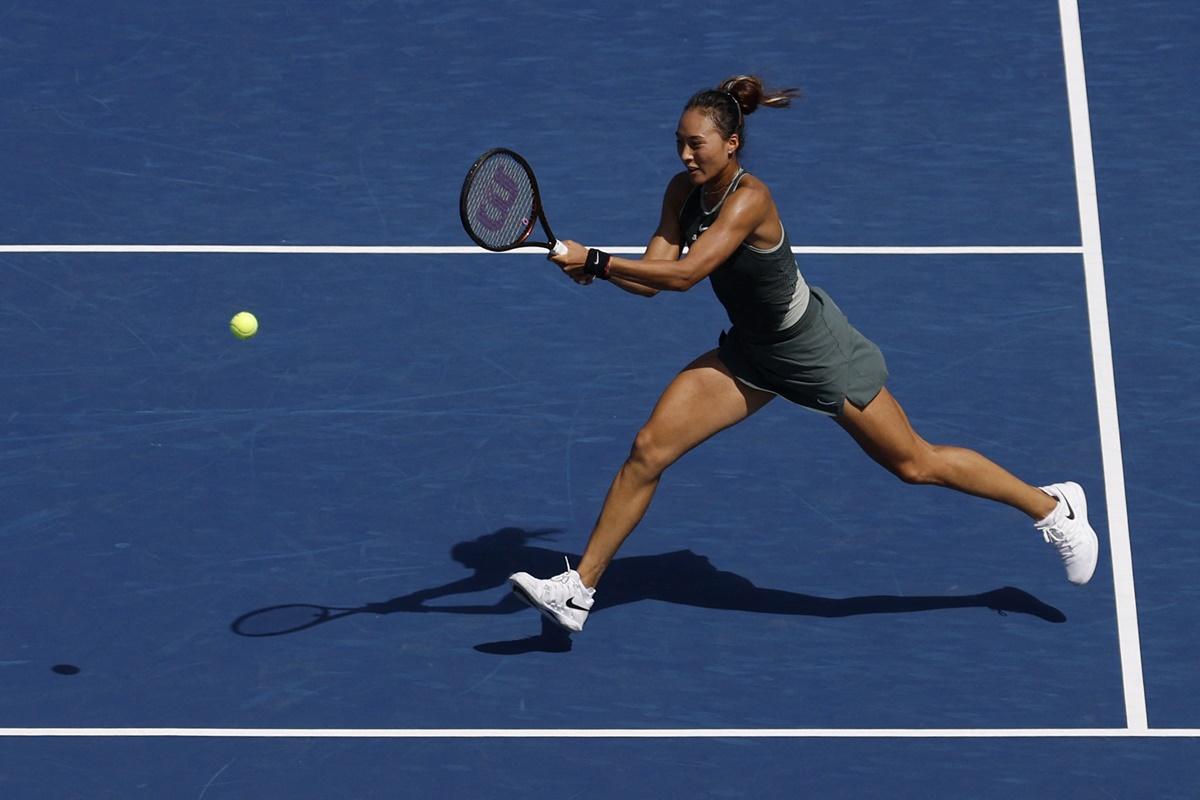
(700, 146)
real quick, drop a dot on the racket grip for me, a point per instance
(559, 249)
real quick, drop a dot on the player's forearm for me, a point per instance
(670, 276)
(633, 287)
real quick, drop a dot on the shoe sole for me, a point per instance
(525, 597)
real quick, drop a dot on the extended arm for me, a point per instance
(661, 268)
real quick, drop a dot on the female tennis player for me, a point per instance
(787, 339)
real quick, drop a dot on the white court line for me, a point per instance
(456, 250)
(610, 733)
(1102, 365)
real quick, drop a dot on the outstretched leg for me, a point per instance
(701, 401)
(884, 433)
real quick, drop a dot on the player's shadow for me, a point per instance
(680, 577)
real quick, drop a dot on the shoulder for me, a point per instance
(677, 192)
(752, 197)
(752, 187)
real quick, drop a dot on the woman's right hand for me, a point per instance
(571, 262)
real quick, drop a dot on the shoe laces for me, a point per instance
(1058, 537)
(566, 576)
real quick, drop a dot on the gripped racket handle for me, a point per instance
(559, 249)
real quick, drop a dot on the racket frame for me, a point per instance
(537, 213)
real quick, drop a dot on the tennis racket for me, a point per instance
(500, 203)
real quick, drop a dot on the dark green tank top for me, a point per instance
(762, 290)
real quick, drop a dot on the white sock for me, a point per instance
(1053, 515)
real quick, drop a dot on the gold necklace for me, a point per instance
(715, 194)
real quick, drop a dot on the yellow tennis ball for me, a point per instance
(243, 325)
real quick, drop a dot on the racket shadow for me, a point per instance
(681, 577)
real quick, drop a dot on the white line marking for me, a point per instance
(455, 250)
(959, 250)
(1106, 393)
(611, 733)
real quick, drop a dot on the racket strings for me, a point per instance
(500, 202)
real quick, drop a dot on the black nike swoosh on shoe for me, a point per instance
(1070, 511)
(571, 604)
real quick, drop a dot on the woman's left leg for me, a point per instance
(884, 433)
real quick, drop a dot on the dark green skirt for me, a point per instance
(819, 363)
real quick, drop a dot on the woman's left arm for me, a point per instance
(742, 213)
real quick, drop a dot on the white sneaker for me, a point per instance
(563, 599)
(1068, 530)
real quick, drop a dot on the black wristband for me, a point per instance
(596, 264)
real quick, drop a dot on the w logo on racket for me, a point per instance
(500, 196)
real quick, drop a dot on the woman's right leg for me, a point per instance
(701, 401)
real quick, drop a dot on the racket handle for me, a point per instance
(559, 249)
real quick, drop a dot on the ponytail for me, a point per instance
(734, 99)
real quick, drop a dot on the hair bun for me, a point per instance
(750, 93)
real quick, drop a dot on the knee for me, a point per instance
(912, 472)
(648, 456)
(919, 469)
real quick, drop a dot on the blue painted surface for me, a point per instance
(353, 122)
(372, 441)
(404, 432)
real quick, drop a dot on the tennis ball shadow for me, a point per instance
(682, 577)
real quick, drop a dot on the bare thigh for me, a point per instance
(883, 431)
(702, 400)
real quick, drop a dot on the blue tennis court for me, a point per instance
(277, 567)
